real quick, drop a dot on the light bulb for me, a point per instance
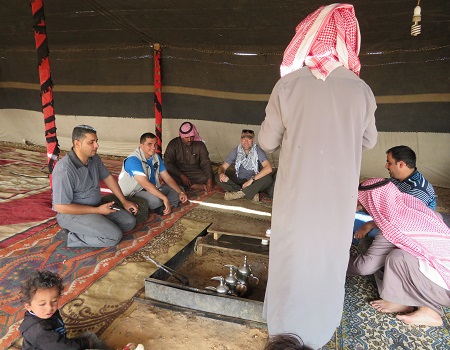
(416, 27)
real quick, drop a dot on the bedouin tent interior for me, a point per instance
(218, 62)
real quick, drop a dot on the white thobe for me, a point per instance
(322, 128)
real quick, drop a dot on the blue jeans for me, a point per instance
(96, 230)
(360, 219)
(154, 202)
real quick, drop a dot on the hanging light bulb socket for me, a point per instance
(416, 28)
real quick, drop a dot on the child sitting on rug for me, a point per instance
(43, 327)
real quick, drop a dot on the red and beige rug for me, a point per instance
(28, 240)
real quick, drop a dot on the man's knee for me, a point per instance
(361, 266)
(112, 243)
(152, 201)
(128, 223)
(266, 180)
(174, 198)
(395, 255)
(217, 180)
(108, 237)
(262, 184)
(111, 233)
(114, 237)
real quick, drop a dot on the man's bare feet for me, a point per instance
(388, 307)
(423, 316)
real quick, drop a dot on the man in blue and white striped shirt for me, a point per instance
(401, 164)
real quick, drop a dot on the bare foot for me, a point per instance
(198, 187)
(424, 316)
(388, 307)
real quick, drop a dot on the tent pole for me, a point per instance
(157, 91)
(46, 84)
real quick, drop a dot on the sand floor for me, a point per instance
(160, 329)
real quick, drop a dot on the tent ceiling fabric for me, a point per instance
(258, 25)
(101, 57)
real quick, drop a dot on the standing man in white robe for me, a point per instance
(322, 115)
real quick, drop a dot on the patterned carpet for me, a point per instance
(363, 327)
(21, 173)
(118, 272)
(32, 245)
(25, 195)
(79, 267)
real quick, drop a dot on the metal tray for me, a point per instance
(163, 290)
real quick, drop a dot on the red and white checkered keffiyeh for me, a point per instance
(328, 38)
(187, 129)
(407, 222)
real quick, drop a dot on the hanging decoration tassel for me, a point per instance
(46, 84)
(157, 91)
(416, 28)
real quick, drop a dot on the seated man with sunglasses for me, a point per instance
(252, 170)
(141, 174)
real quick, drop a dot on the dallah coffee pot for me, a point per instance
(245, 279)
(231, 279)
(222, 288)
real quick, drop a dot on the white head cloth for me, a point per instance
(328, 38)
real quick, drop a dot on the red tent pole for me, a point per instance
(157, 91)
(40, 36)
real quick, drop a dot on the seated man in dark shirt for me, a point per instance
(187, 159)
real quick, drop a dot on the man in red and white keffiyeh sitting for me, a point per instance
(413, 247)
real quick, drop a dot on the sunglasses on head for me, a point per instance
(247, 131)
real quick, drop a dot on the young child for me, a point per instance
(285, 341)
(43, 327)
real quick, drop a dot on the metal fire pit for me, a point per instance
(163, 290)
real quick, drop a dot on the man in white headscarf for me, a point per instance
(321, 115)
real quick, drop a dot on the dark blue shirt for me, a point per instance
(417, 186)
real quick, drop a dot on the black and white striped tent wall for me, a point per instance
(219, 64)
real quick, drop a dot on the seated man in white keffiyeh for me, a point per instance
(413, 246)
(252, 170)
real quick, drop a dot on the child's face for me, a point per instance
(44, 303)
